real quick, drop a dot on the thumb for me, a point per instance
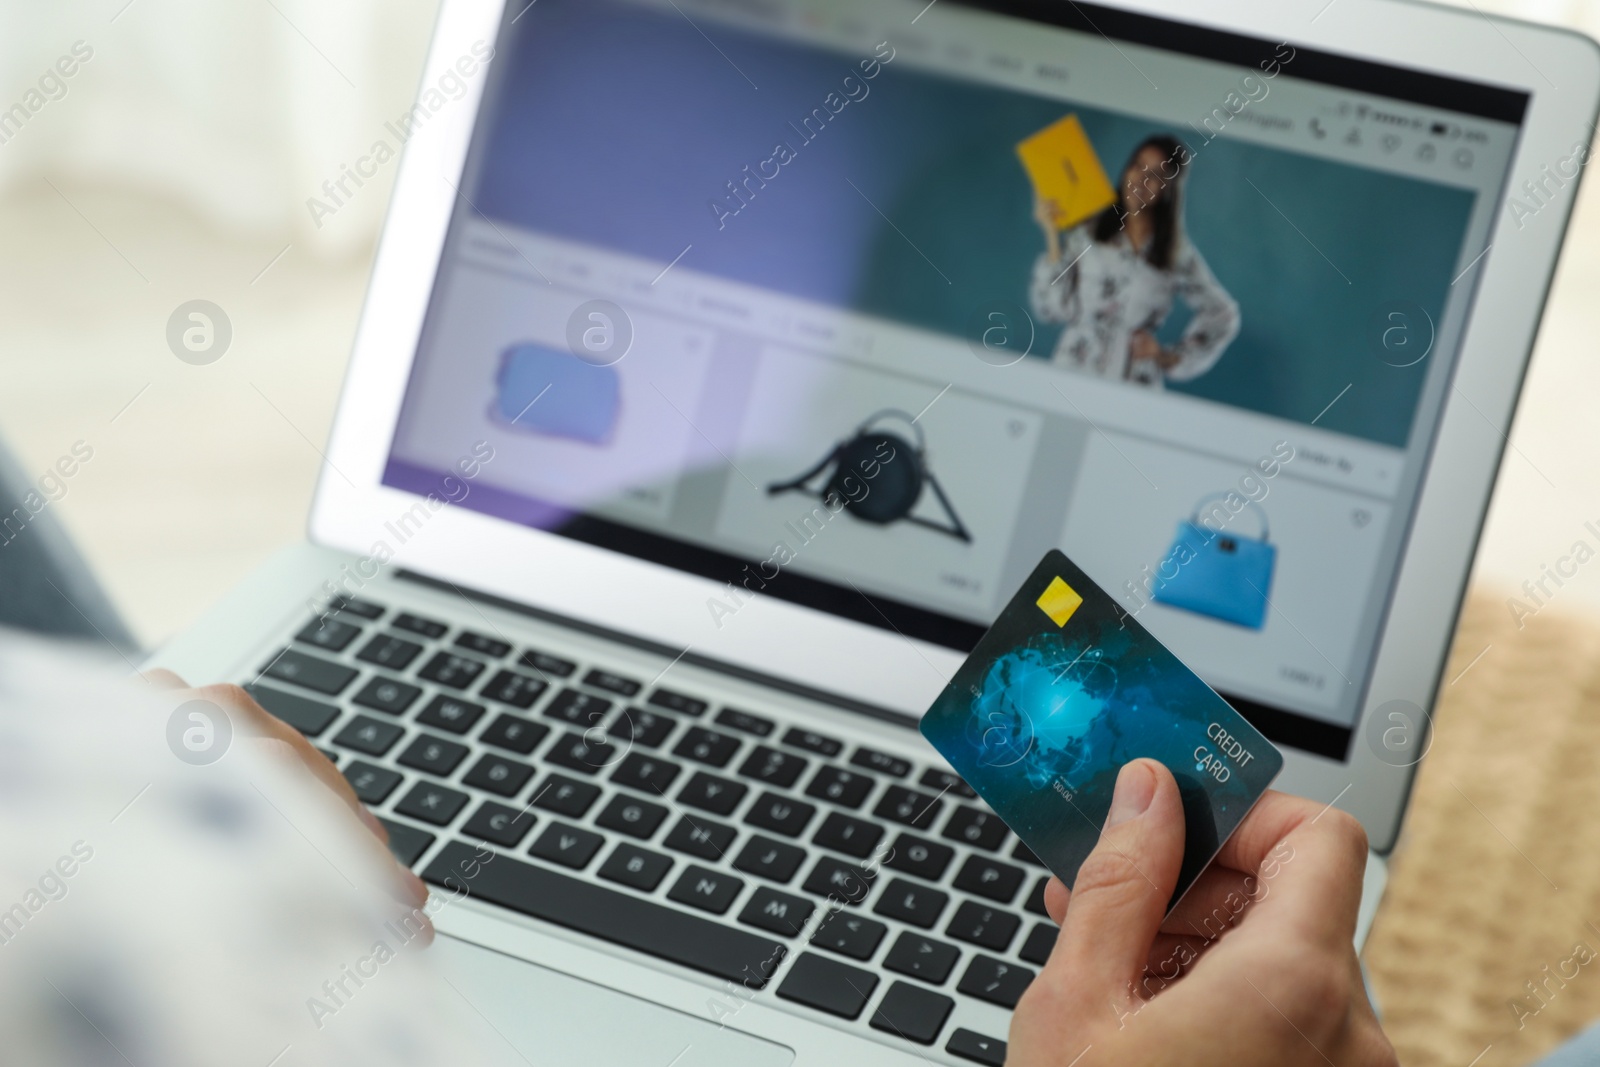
(1122, 889)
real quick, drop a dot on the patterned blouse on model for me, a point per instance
(1112, 280)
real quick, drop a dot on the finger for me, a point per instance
(163, 679)
(1216, 901)
(1121, 891)
(257, 720)
(1056, 898)
(1308, 860)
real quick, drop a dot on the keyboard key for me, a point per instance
(387, 650)
(567, 845)
(839, 881)
(983, 926)
(364, 608)
(701, 837)
(828, 985)
(766, 858)
(310, 717)
(1025, 854)
(580, 709)
(922, 957)
(849, 934)
(853, 837)
(372, 784)
(1040, 943)
(418, 625)
(744, 722)
(509, 687)
(914, 809)
(496, 774)
(635, 867)
(710, 793)
(577, 752)
(565, 796)
(994, 980)
(980, 829)
(451, 713)
(612, 683)
(387, 695)
(715, 948)
(543, 663)
(499, 824)
(329, 634)
(447, 668)
(310, 672)
(989, 878)
(636, 818)
(912, 1012)
(492, 647)
(779, 814)
(330, 755)
(705, 889)
(821, 744)
(881, 762)
(845, 788)
(683, 705)
(971, 1045)
(1035, 901)
(776, 912)
(911, 903)
(945, 782)
(434, 755)
(635, 726)
(407, 843)
(513, 734)
(706, 746)
(369, 735)
(772, 767)
(648, 774)
(431, 803)
(923, 858)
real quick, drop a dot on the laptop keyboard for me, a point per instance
(850, 882)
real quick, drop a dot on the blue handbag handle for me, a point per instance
(1261, 512)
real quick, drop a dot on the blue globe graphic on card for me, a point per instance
(1037, 707)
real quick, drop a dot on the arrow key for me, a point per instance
(971, 1045)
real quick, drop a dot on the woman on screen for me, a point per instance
(1112, 279)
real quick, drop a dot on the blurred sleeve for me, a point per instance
(154, 911)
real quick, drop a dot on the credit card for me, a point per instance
(1066, 688)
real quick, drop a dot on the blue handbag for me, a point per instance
(1219, 574)
(548, 391)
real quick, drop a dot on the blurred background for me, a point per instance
(176, 164)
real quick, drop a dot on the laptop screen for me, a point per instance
(866, 305)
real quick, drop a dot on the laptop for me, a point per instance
(728, 363)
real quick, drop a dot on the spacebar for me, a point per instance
(607, 914)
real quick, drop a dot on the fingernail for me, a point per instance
(1136, 787)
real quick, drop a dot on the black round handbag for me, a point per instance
(893, 491)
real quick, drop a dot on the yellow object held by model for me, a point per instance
(1064, 169)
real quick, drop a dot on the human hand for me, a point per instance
(1143, 345)
(1256, 965)
(1045, 213)
(252, 720)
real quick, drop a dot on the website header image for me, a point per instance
(1252, 276)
